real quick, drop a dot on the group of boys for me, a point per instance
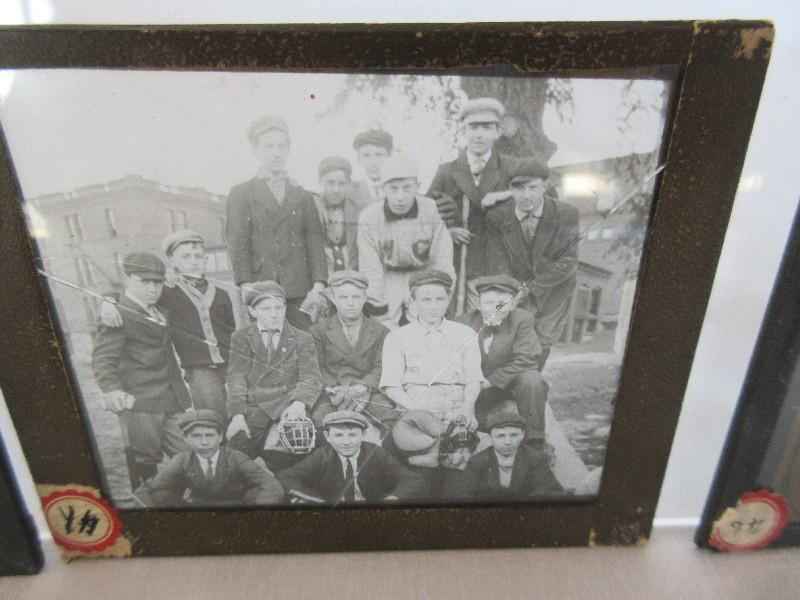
(349, 293)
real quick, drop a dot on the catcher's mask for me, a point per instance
(458, 435)
(297, 434)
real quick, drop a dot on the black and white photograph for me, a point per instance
(319, 289)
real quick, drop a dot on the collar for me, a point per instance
(358, 323)
(194, 281)
(536, 213)
(485, 157)
(278, 331)
(411, 214)
(328, 204)
(135, 300)
(204, 461)
(271, 177)
(343, 460)
(505, 461)
(428, 329)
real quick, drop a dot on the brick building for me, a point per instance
(84, 234)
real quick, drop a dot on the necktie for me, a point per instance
(349, 482)
(478, 165)
(268, 335)
(210, 471)
(529, 224)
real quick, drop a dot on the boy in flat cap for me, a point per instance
(349, 350)
(507, 471)
(476, 180)
(433, 364)
(272, 372)
(137, 372)
(213, 475)
(372, 148)
(509, 350)
(273, 229)
(338, 214)
(533, 240)
(200, 319)
(348, 469)
(399, 237)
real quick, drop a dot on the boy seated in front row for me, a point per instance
(348, 469)
(507, 470)
(214, 475)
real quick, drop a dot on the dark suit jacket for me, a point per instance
(514, 346)
(455, 179)
(237, 480)
(138, 358)
(508, 253)
(262, 390)
(379, 475)
(268, 240)
(480, 481)
(341, 363)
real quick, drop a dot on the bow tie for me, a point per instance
(270, 331)
(197, 282)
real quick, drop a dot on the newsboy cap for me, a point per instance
(265, 123)
(338, 278)
(344, 417)
(398, 166)
(430, 276)
(528, 169)
(376, 137)
(334, 163)
(145, 265)
(175, 239)
(482, 110)
(204, 416)
(504, 419)
(501, 283)
(257, 291)
(416, 431)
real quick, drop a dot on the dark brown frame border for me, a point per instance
(720, 65)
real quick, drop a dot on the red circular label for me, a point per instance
(756, 522)
(81, 521)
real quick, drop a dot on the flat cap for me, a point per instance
(398, 166)
(259, 290)
(344, 417)
(265, 123)
(334, 163)
(430, 276)
(338, 278)
(175, 239)
(501, 283)
(416, 431)
(528, 169)
(376, 137)
(204, 416)
(145, 265)
(482, 110)
(504, 419)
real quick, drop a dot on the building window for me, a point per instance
(221, 260)
(85, 272)
(221, 223)
(74, 227)
(90, 308)
(594, 234)
(177, 219)
(111, 222)
(594, 300)
(608, 233)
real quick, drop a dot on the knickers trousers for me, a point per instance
(528, 391)
(207, 387)
(148, 437)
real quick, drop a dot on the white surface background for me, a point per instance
(763, 211)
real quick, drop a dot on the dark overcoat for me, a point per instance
(549, 265)
(237, 480)
(138, 358)
(455, 179)
(379, 475)
(268, 240)
(480, 481)
(514, 346)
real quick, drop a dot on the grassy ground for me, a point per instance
(582, 390)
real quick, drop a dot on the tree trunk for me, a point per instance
(524, 99)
